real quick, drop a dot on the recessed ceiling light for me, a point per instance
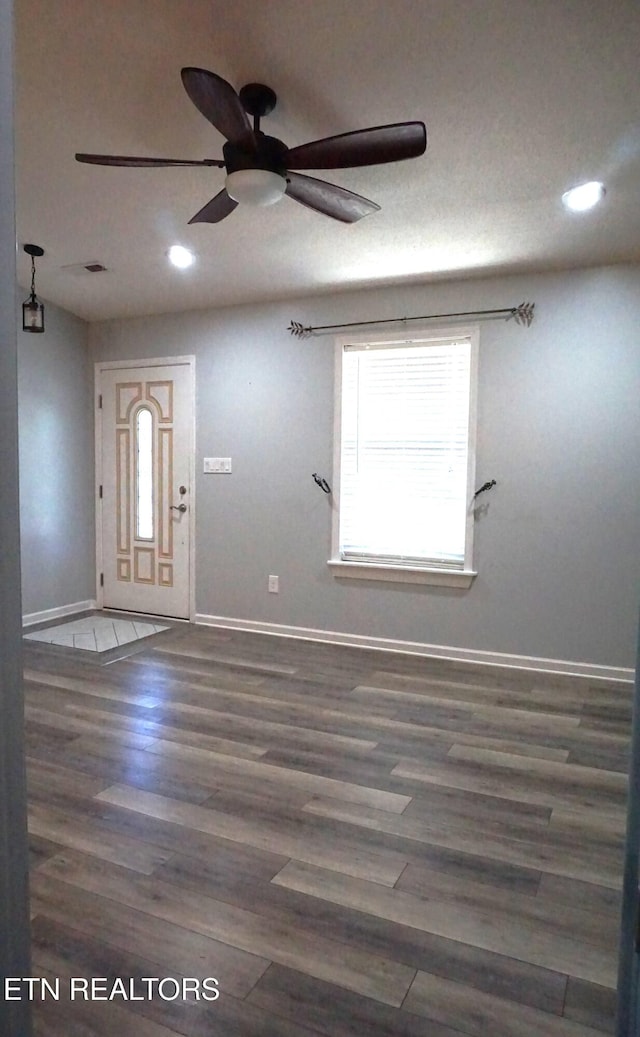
(583, 197)
(180, 256)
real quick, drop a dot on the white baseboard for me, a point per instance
(470, 655)
(48, 615)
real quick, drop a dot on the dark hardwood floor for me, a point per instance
(351, 842)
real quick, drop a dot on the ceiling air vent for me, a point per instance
(92, 266)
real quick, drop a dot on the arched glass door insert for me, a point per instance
(144, 488)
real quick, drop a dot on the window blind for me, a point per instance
(404, 452)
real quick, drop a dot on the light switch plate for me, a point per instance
(217, 466)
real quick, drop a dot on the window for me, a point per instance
(405, 457)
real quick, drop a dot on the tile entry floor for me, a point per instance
(96, 633)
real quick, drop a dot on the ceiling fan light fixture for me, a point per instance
(255, 186)
(584, 196)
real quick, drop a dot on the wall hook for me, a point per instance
(322, 483)
(485, 486)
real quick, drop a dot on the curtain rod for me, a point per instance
(522, 314)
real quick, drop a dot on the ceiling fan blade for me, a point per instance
(215, 210)
(329, 198)
(132, 160)
(219, 103)
(361, 147)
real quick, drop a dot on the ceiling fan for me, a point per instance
(261, 169)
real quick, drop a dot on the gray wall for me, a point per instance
(56, 464)
(557, 544)
(14, 913)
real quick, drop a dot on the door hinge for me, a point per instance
(100, 402)
(100, 493)
(102, 579)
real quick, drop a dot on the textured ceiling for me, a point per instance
(521, 99)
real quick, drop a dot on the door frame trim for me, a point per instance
(188, 361)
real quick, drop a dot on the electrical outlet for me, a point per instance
(274, 587)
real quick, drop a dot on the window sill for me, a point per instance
(402, 574)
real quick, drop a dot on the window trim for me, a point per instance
(406, 573)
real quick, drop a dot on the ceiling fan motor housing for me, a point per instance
(270, 154)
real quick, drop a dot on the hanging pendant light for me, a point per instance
(32, 308)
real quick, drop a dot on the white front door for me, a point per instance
(145, 440)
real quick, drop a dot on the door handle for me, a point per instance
(178, 507)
